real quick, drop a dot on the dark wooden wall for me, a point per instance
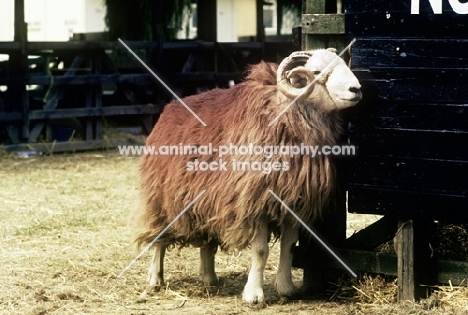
(411, 128)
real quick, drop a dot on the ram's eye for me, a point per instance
(317, 72)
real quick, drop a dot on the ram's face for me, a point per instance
(323, 79)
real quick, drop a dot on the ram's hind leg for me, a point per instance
(156, 268)
(253, 290)
(207, 263)
(284, 284)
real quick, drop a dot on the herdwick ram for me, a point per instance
(237, 210)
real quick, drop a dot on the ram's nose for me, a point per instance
(355, 88)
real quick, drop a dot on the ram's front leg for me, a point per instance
(253, 290)
(284, 283)
(156, 268)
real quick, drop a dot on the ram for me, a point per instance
(237, 210)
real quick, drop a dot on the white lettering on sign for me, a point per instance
(436, 5)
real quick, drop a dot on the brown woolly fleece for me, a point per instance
(235, 200)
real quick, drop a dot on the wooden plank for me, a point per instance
(374, 235)
(97, 91)
(8, 47)
(25, 124)
(37, 47)
(386, 264)
(382, 18)
(416, 270)
(323, 24)
(410, 144)
(41, 48)
(140, 79)
(385, 200)
(423, 85)
(143, 78)
(310, 42)
(10, 116)
(88, 128)
(98, 105)
(116, 110)
(411, 174)
(198, 45)
(434, 117)
(373, 53)
(361, 261)
(454, 272)
(407, 285)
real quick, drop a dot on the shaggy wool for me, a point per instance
(234, 199)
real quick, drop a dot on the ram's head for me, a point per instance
(319, 77)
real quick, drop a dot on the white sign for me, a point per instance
(436, 5)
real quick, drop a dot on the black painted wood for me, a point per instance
(383, 18)
(374, 53)
(411, 129)
(373, 235)
(395, 201)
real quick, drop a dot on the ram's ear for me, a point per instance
(333, 50)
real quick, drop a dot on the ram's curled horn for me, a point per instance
(291, 69)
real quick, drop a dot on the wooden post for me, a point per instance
(260, 26)
(312, 7)
(279, 16)
(98, 96)
(316, 29)
(207, 16)
(417, 269)
(18, 65)
(322, 27)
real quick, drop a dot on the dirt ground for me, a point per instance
(64, 239)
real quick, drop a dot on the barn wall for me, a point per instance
(411, 128)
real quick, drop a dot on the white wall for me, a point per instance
(6, 20)
(95, 13)
(53, 20)
(246, 20)
(226, 22)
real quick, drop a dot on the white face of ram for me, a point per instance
(336, 87)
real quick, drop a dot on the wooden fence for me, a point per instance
(49, 83)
